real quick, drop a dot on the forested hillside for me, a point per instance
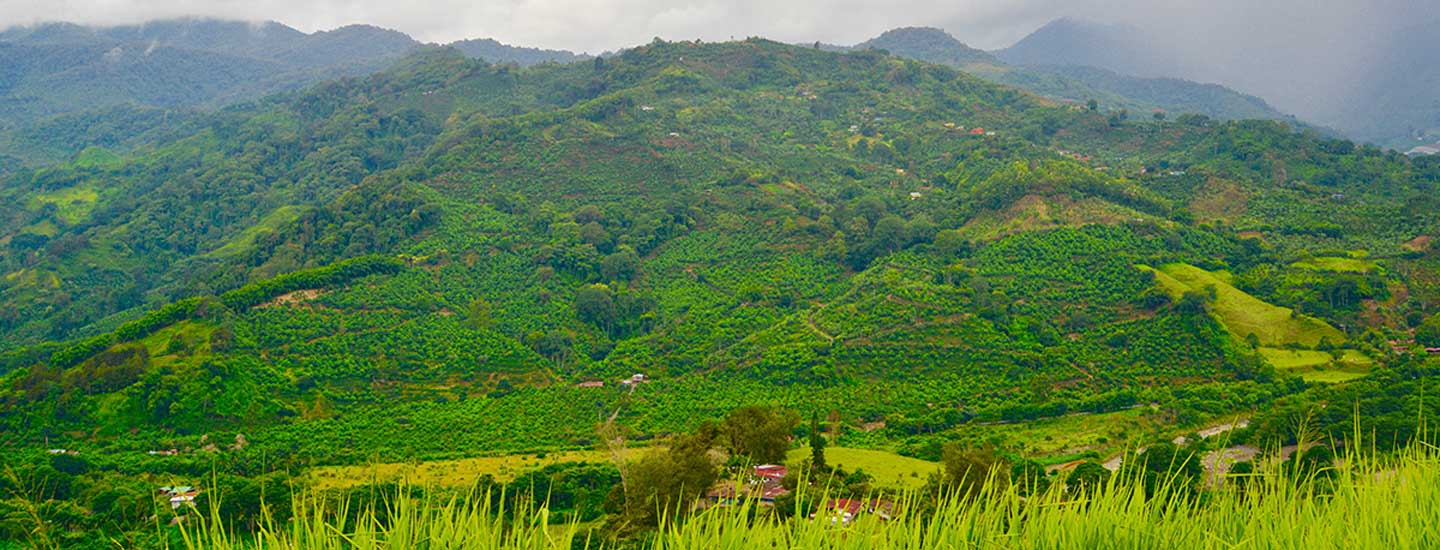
(56, 77)
(429, 262)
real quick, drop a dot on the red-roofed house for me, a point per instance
(774, 472)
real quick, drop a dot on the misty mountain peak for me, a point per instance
(927, 44)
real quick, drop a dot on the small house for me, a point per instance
(977, 131)
(182, 495)
(591, 384)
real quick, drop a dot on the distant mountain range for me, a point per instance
(65, 69)
(1387, 96)
(1074, 82)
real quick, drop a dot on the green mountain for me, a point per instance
(927, 44)
(431, 261)
(495, 52)
(150, 74)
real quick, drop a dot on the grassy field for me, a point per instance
(889, 469)
(1319, 366)
(1342, 265)
(1243, 314)
(1056, 440)
(458, 473)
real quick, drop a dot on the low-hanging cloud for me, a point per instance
(1300, 54)
(597, 25)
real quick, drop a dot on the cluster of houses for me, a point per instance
(1404, 346)
(634, 380)
(1079, 156)
(163, 452)
(976, 131)
(180, 495)
(762, 485)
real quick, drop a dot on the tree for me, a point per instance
(950, 244)
(890, 233)
(1092, 105)
(1029, 477)
(1087, 476)
(1428, 334)
(817, 445)
(1169, 466)
(596, 304)
(622, 265)
(665, 484)
(967, 471)
(1192, 301)
(477, 315)
(1118, 117)
(759, 434)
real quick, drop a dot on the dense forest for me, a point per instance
(441, 260)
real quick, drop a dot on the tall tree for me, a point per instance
(817, 445)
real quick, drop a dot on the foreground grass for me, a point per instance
(1362, 503)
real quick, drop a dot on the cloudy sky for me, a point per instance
(598, 25)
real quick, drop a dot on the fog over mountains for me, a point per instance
(1365, 71)
(1374, 81)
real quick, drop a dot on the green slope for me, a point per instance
(1244, 315)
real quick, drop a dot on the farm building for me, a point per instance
(762, 486)
(180, 495)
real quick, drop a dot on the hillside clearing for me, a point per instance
(1340, 265)
(1243, 314)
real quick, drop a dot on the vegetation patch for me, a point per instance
(274, 221)
(1038, 213)
(72, 204)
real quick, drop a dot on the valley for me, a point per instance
(622, 282)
